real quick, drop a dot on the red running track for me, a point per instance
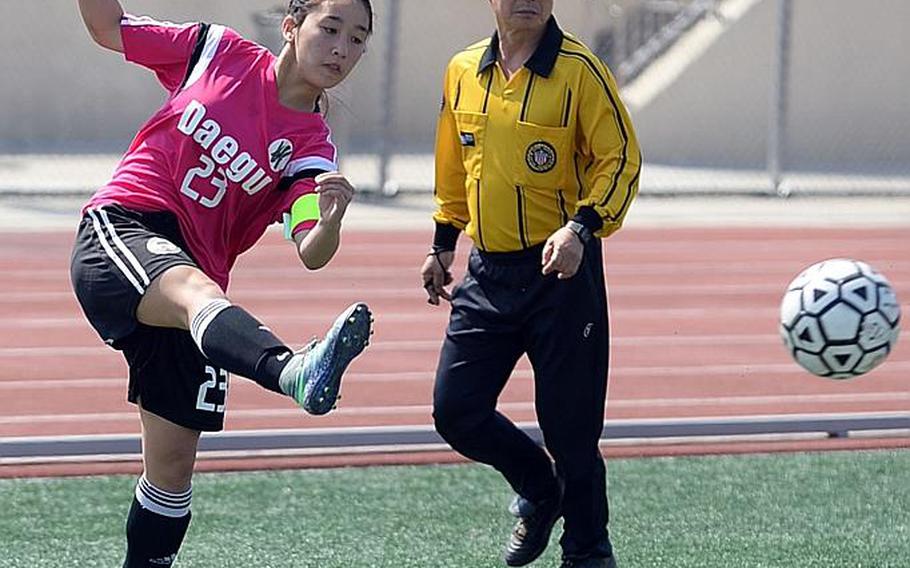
(694, 315)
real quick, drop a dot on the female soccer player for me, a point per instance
(239, 144)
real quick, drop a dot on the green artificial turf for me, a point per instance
(845, 509)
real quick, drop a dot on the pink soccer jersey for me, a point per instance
(222, 153)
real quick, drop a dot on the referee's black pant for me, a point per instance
(503, 308)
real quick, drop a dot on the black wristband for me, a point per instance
(445, 237)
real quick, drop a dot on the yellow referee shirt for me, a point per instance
(516, 159)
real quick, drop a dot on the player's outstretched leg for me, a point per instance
(313, 375)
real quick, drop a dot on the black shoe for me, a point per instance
(608, 562)
(531, 533)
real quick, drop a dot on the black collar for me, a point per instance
(544, 57)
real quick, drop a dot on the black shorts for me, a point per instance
(117, 253)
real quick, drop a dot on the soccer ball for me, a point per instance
(839, 318)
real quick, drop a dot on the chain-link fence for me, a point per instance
(793, 96)
(757, 96)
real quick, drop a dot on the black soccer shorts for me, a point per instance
(118, 252)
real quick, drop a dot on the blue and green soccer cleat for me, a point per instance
(313, 375)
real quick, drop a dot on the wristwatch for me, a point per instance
(583, 233)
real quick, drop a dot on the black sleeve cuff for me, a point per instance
(446, 237)
(588, 217)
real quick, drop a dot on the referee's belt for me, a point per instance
(513, 256)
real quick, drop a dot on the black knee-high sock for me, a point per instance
(238, 343)
(156, 525)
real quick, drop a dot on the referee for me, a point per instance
(536, 161)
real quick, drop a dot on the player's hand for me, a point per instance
(435, 275)
(562, 254)
(335, 193)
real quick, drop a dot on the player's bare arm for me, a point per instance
(317, 246)
(102, 20)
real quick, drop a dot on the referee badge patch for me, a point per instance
(541, 157)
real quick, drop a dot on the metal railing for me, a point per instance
(642, 31)
(416, 438)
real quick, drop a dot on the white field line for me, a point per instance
(618, 372)
(707, 267)
(440, 316)
(433, 345)
(748, 245)
(426, 410)
(395, 293)
(315, 293)
(417, 316)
